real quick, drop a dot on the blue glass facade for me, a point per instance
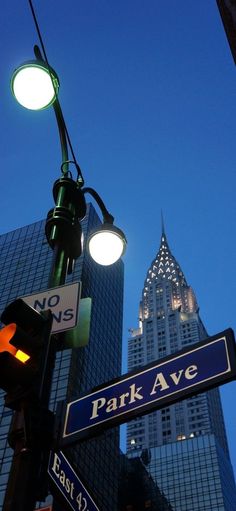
(25, 261)
(194, 474)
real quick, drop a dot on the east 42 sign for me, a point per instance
(68, 484)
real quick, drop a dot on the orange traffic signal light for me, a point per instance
(21, 351)
(6, 335)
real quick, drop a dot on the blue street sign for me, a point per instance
(68, 484)
(199, 367)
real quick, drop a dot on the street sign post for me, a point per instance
(63, 302)
(68, 484)
(202, 366)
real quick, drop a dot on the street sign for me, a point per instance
(63, 302)
(69, 484)
(196, 369)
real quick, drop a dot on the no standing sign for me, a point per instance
(63, 302)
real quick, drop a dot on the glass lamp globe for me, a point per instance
(34, 86)
(107, 245)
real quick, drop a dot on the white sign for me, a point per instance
(63, 302)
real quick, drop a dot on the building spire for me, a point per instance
(165, 265)
(162, 224)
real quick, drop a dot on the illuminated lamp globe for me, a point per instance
(34, 85)
(107, 244)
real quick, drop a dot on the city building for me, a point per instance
(25, 261)
(137, 490)
(187, 441)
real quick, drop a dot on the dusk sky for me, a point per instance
(148, 92)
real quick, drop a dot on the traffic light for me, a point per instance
(23, 352)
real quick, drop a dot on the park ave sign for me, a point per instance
(200, 367)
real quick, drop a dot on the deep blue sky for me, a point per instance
(148, 91)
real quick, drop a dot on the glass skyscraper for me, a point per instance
(25, 260)
(187, 441)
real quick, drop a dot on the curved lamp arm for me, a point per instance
(107, 217)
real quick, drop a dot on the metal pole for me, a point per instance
(32, 425)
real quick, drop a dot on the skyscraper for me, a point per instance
(189, 452)
(25, 260)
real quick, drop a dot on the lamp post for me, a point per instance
(63, 232)
(69, 195)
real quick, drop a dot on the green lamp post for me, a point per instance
(35, 85)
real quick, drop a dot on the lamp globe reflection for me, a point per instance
(34, 85)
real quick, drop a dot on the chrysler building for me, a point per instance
(169, 321)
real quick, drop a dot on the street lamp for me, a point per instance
(106, 246)
(35, 86)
